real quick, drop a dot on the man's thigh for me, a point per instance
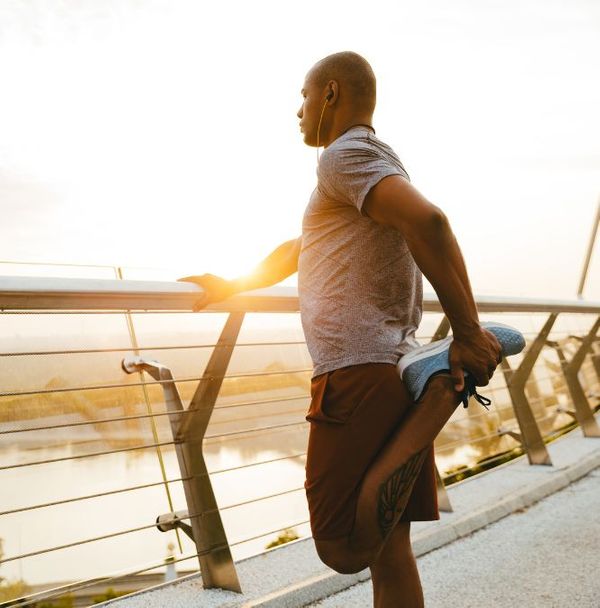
(353, 412)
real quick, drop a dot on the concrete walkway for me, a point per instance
(544, 556)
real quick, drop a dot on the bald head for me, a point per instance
(338, 93)
(354, 76)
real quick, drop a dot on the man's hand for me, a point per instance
(479, 354)
(278, 265)
(215, 289)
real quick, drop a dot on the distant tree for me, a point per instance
(64, 602)
(9, 590)
(288, 535)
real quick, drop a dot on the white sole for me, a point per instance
(433, 348)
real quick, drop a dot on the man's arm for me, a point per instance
(278, 265)
(395, 202)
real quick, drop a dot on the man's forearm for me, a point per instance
(439, 257)
(278, 265)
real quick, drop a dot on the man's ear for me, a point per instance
(332, 91)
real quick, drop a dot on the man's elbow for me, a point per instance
(431, 228)
(436, 222)
(438, 219)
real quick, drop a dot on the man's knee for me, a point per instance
(338, 555)
(441, 390)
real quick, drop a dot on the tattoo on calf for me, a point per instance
(394, 493)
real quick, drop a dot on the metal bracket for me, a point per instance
(171, 521)
(506, 431)
(216, 562)
(595, 355)
(442, 330)
(563, 410)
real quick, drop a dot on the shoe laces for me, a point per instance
(471, 391)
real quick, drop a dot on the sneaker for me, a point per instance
(417, 367)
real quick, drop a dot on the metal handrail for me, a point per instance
(49, 293)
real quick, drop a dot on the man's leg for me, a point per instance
(394, 573)
(388, 482)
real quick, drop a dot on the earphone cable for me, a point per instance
(319, 128)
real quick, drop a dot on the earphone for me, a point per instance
(329, 96)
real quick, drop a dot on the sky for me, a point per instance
(164, 134)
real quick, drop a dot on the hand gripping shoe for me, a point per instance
(417, 367)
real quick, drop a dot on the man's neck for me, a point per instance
(339, 130)
(360, 124)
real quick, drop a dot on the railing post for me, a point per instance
(583, 411)
(442, 494)
(596, 357)
(216, 562)
(530, 436)
(442, 330)
(594, 354)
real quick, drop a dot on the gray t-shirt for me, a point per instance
(361, 293)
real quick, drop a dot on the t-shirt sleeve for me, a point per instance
(347, 173)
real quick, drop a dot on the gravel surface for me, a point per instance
(546, 556)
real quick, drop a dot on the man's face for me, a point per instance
(310, 111)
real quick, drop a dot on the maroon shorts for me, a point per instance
(353, 412)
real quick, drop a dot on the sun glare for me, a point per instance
(165, 135)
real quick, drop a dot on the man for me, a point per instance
(367, 235)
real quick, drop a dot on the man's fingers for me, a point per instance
(199, 279)
(482, 380)
(456, 371)
(199, 305)
(481, 375)
(202, 302)
(480, 362)
(458, 377)
(214, 289)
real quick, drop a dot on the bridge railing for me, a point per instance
(102, 453)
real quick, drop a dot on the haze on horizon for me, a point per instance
(165, 135)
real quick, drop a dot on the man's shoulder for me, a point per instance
(348, 148)
(356, 151)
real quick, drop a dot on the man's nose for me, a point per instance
(299, 113)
